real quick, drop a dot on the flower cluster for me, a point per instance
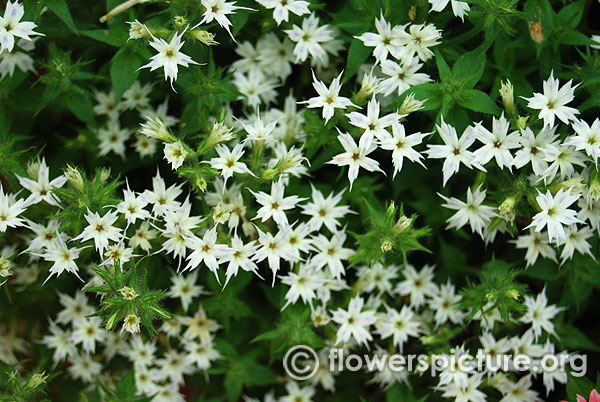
(368, 176)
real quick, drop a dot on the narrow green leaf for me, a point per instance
(469, 67)
(59, 7)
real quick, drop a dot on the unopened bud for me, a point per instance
(522, 122)
(220, 132)
(180, 21)
(33, 168)
(508, 98)
(201, 183)
(104, 175)
(137, 30)
(204, 36)
(507, 208)
(410, 105)
(402, 224)
(5, 266)
(74, 178)
(154, 127)
(36, 380)
(512, 294)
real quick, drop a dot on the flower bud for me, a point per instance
(74, 178)
(104, 175)
(220, 132)
(204, 36)
(508, 98)
(153, 127)
(402, 224)
(512, 294)
(137, 30)
(5, 266)
(522, 122)
(410, 105)
(507, 208)
(180, 21)
(201, 183)
(33, 168)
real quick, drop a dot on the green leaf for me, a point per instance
(126, 386)
(81, 105)
(123, 70)
(478, 101)
(469, 67)
(111, 37)
(539, 14)
(357, 55)
(578, 386)
(430, 92)
(571, 14)
(572, 338)
(442, 66)
(59, 7)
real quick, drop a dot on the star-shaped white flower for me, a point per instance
(555, 213)
(329, 98)
(282, 8)
(169, 56)
(374, 126)
(355, 156)
(552, 103)
(11, 26)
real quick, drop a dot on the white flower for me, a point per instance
(402, 145)
(112, 138)
(497, 144)
(297, 394)
(163, 198)
(173, 366)
(419, 39)
(11, 60)
(325, 211)
(185, 288)
(355, 157)
(100, 229)
(63, 258)
(41, 186)
(10, 209)
(418, 284)
(88, 331)
(384, 41)
(74, 308)
(402, 75)
(240, 255)
(576, 239)
(218, 10)
(354, 322)
(282, 8)
(45, 236)
(536, 244)
(398, 325)
(445, 305)
(331, 252)
(454, 151)
(132, 206)
(273, 249)
(175, 153)
(533, 149)
(201, 353)
(60, 341)
(459, 8)
(552, 103)
(84, 367)
(11, 26)
(329, 98)
(472, 212)
(228, 161)
(587, 138)
(303, 284)
(205, 250)
(555, 213)
(539, 314)
(562, 157)
(169, 56)
(137, 96)
(373, 125)
(275, 204)
(310, 38)
(256, 88)
(596, 42)
(199, 326)
(131, 324)
(467, 392)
